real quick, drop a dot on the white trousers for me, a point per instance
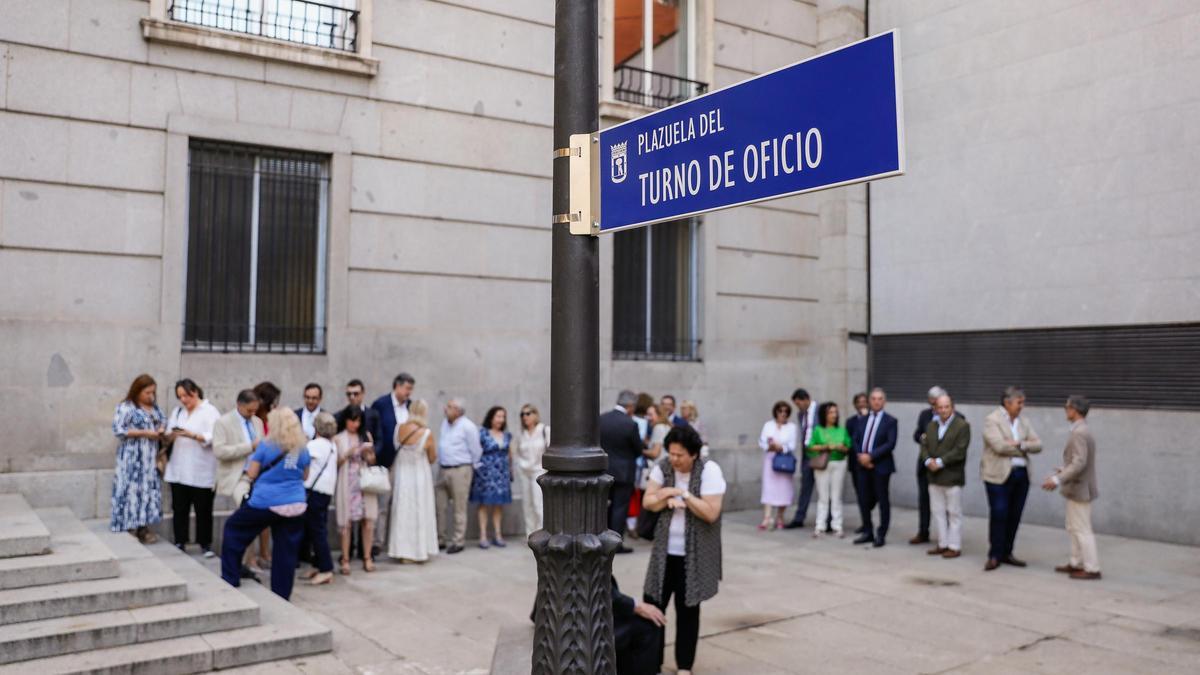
(1083, 540)
(945, 507)
(829, 494)
(531, 500)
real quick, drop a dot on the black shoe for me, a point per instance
(181, 547)
(624, 549)
(1009, 560)
(442, 546)
(794, 525)
(864, 538)
(879, 542)
(454, 549)
(247, 573)
(862, 529)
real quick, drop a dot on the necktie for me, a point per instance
(249, 430)
(870, 439)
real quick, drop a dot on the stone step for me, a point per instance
(21, 531)
(285, 632)
(144, 582)
(76, 554)
(211, 606)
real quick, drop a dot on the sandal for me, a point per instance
(344, 566)
(764, 525)
(369, 564)
(321, 578)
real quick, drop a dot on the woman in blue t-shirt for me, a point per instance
(278, 469)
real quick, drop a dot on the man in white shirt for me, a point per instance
(1008, 440)
(311, 408)
(459, 450)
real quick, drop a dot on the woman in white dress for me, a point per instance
(528, 447)
(412, 533)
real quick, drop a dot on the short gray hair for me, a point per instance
(626, 398)
(325, 425)
(1079, 403)
(1012, 392)
(935, 392)
(881, 392)
(458, 402)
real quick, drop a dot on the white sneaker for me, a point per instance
(209, 554)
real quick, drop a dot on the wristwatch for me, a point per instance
(686, 495)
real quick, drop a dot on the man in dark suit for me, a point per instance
(854, 427)
(637, 629)
(311, 408)
(923, 421)
(356, 395)
(806, 415)
(620, 439)
(391, 410)
(873, 448)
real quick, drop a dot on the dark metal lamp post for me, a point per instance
(574, 551)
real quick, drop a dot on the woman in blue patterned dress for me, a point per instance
(491, 487)
(137, 493)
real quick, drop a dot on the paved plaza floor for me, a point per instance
(793, 604)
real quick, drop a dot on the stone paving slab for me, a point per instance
(21, 531)
(793, 604)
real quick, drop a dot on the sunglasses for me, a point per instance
(527, 413)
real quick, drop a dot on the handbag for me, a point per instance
(784, 462)
(374, 480)
(819, 462)
(647, 523)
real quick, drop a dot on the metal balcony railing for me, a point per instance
(641, 348)
(651, 89)
(300, 21)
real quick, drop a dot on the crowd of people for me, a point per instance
(391, 481)
(387, 475)
(823, 450)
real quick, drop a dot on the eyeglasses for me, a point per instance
(527, 413)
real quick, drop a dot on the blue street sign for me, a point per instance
(830, 120)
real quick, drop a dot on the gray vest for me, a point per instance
(702, 546)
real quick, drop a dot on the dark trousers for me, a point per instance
(638, 651)
(808, 483)
(1005, 504)
(316, 531)
(922, 500)
(687, 619)
(874, 487)
(855, 470)
(243, 528)
(618, 507)
(185, 498)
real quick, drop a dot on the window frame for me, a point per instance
(694, 342)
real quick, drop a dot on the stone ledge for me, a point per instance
(213, 39)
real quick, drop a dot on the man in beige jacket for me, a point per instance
(1076, 480)
(235, 436)
(1008, 440)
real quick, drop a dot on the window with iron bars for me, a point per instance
(332, 24)
(256, 250)
(655, 298)
(654, 52)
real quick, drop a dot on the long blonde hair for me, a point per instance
(418, 413)
(286, 431)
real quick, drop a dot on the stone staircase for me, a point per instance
(75, 598)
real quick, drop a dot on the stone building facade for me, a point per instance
(153, 156)
(389, 162)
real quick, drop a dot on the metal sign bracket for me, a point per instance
(583, 159)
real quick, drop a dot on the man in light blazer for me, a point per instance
(1008, 440)
(1076, 480)
(235, 436)
(943, 454)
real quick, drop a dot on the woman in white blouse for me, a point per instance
(192, 469)
(778, 436)
(319, 488)
(528, 447)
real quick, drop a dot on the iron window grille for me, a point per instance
(316, 24)
(655, 298)
(651, 89)
(256, 250)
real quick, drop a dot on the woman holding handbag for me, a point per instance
(355, 450)
(778, 442)
(827, 457)
(277, 500)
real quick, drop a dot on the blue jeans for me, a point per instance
(243, 527)
(1006, 502)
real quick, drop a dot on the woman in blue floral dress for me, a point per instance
(491, 487)
(137, 492)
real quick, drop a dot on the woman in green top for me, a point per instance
(829, 439)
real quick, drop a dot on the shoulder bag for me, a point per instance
(245, 485)
(819, 462)
(784, 462)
